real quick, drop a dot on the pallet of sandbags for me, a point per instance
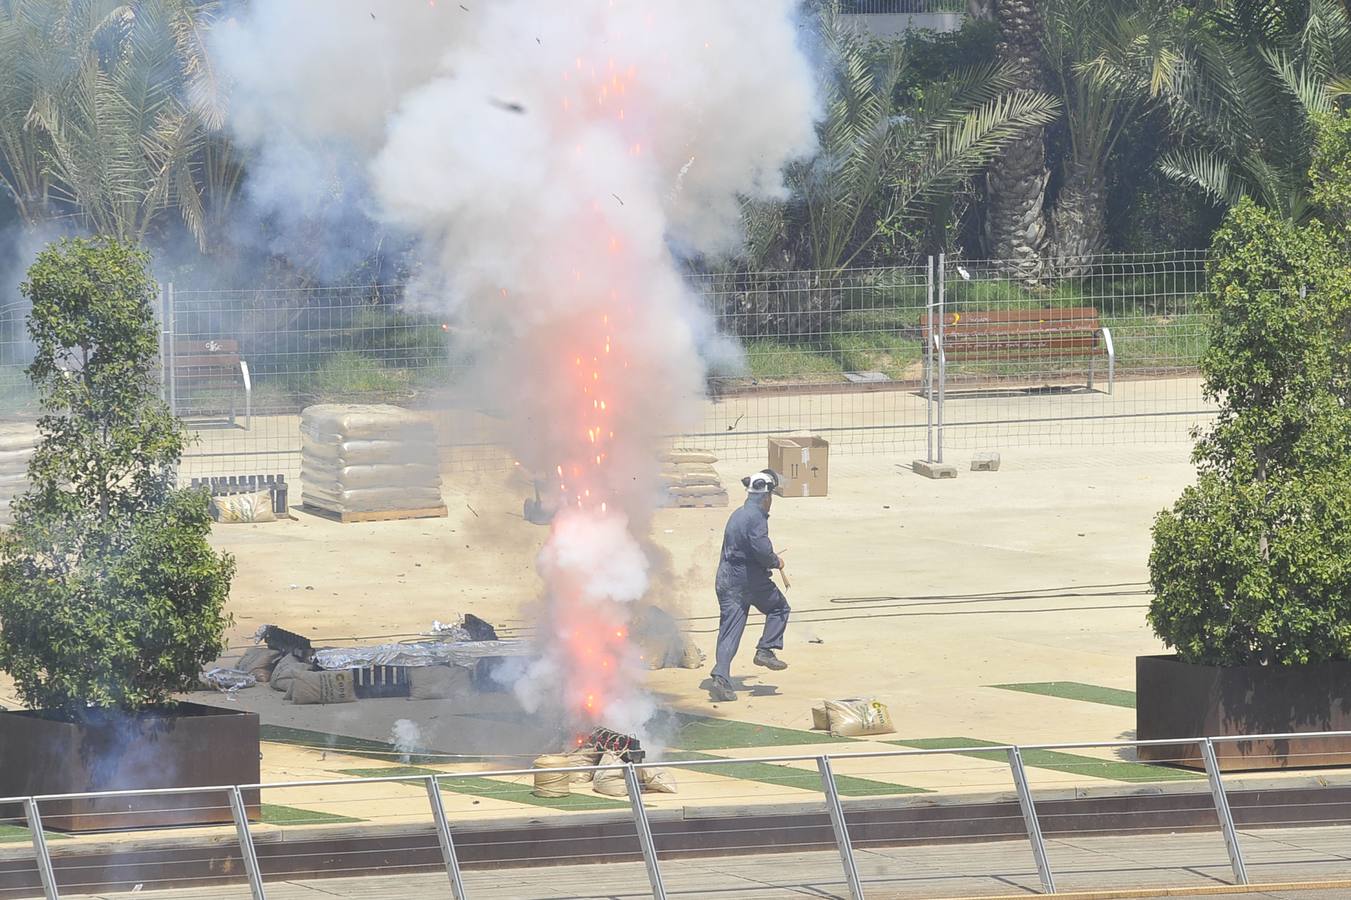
(369, 462)
(691, 480)
(18, 442)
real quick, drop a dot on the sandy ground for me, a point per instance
(923, 593)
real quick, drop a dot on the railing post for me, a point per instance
(246, 849)
(840, 826)
(443, 836)
(169, 348)
(1222, 810)
(942, 358)
(929, 367)
(1030, 820)
(645, 840)
(44, 859)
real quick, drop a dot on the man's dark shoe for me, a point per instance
(722, 690)
(767, 659)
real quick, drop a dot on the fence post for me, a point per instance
(44, 859)
(929, 364)
(169, 327)
(444, 838)
(649, 846)
(942, 358)
(1222, 810)
(163, 345)
(246, 848)
(1030, 820)
(840, 826)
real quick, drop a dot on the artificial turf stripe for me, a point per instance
(274, 814)
(339, 743)
(474, 786)
(12, 834)
(1056, 760)
(787, 776)
(693, 732)
(1075, 690)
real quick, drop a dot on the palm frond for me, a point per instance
(1206, 172)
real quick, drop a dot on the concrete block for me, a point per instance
(985, 462)
(934, 470)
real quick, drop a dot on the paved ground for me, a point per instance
(1195, 863)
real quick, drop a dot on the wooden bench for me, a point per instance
(213, 363)
(1022, 334)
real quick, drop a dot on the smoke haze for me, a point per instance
(546, 157)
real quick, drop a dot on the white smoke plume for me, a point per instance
(550, 156)
(406, 737)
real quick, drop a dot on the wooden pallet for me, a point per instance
(380, 515)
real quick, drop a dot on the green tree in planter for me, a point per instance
(110, 595)
(1252, 565)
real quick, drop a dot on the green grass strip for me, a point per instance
(274, 814)
(1069, 763)
(338, 743)
(787, 776)
(13, 834)
(706, 733)
(1075, 690)
(473, 786)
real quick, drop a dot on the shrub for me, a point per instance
(1253, 563)
(110, 595)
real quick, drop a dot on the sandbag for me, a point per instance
(365, 420)
(237, 508)
(342, 452)
(20, 437)
(820, 719)
(322, 687)
(855, 717)
(286, 670)
(697, 480)
(258, 662)
(372, 499)
(610, 782)
(552, 784)
(697, 490)
(656, 781)
(20, 457)
(695, 469)
(584, 757)
(685, 455)
(437, 682)
(382, 475)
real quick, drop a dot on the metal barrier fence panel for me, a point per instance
(849, 355)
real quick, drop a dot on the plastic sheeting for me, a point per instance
(422, 653)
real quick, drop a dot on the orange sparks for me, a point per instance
(560, 471)
(602, 507)
(595, 376)
(602, 404)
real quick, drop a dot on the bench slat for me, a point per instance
(1010, 316)
(217, 363)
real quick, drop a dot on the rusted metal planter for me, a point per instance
(1180, 700)
(188, 745)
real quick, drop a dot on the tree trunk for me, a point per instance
(1016, 227)
(1079, 223)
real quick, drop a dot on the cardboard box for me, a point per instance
(803, 464)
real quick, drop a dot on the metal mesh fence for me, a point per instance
(873, 360)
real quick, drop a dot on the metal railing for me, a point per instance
(1039, 820)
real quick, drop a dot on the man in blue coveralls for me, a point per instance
(744, 581)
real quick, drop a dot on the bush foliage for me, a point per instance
(110, 595)
(1252, 565)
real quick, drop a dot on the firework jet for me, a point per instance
(552, 158)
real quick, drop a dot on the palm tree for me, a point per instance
(1111, 62)
(1255, 76)
(1015, 223)
(882, 167)
(107, 113)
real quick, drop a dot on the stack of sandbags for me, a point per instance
(368, 459)
(17, 443)
(690, 478)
